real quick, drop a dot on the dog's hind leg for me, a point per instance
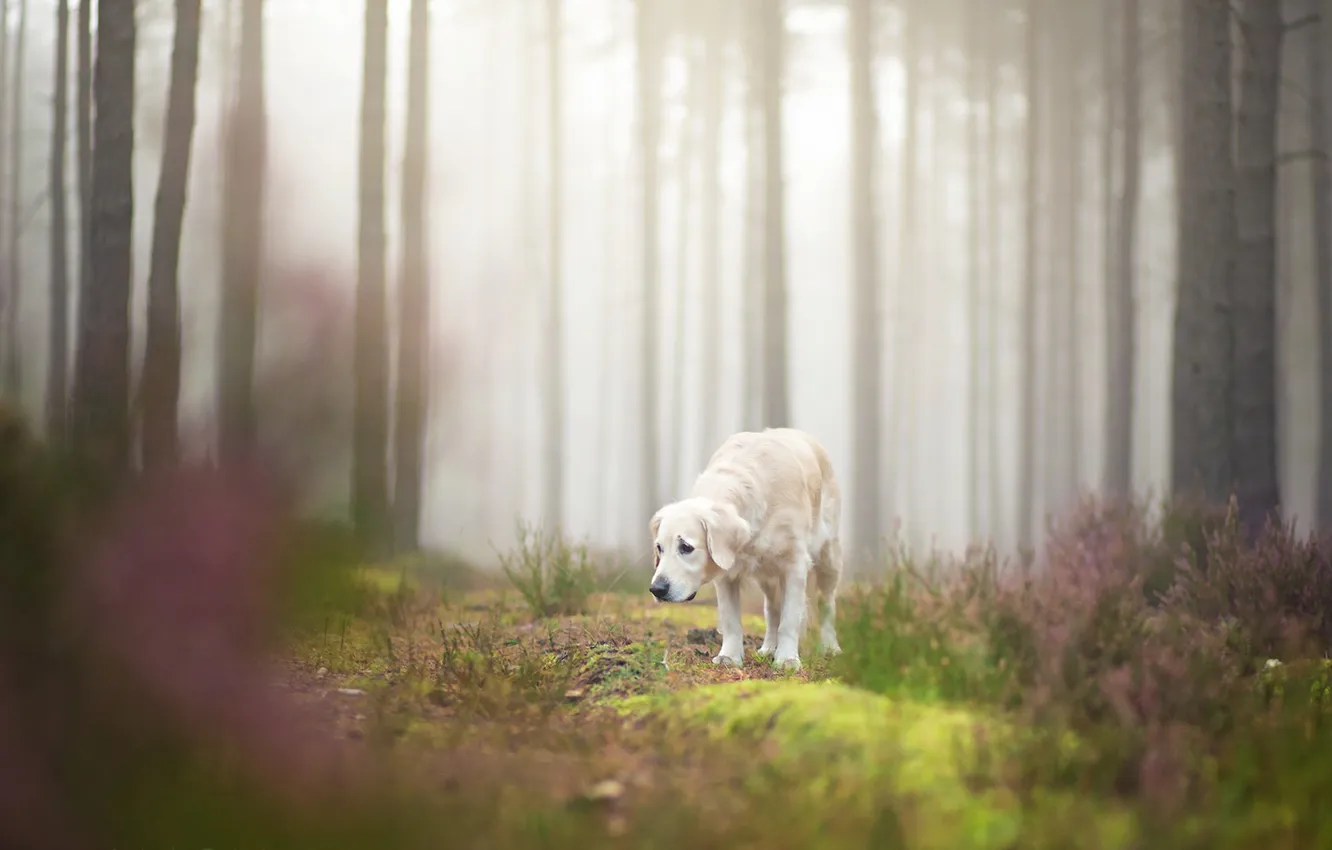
(827, 576)
(772, 615)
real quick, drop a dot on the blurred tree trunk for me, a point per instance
(161, 365)
(1201, 421)
(57, 366)
(902, 410)
(1320, 92)
(370, 424)
(413, 391)
(83, 143)
(243, 241)
(1026, 491)
(552, 361)
(1254, 454)
(776, 400)
(1074, 121)
(752, 281)
(14, 350)
(608, 354)
(684, 185)
(8, 285)
(1122, 256)
(997, 277)
(866, 315)
(101, 399)
(649, 123)
(714, 68)
(975, 71)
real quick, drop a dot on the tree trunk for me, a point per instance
(243, 242)
(1254, 451)
(370, 425)
(83, 129)
(975, 286)
(1203, 367)
(902, 412)
(776, 401)
(101, 405)
(685, 185)
(161, 366)
(553, 359)
(57, 367)
(14, 350)
(1319, 93)
(1026, 494)
(995, 260)
(714, 65)
(649, 94)
(9, 296)
(414, 290)
(1121, 320)
(866, 344)
(752, 282)
(1070, 392)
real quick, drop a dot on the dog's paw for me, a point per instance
(789, 662)
(727, 661)
(765, 650)
(831, 649)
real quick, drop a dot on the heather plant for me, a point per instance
(552, 575)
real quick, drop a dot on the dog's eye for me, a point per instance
(658, 548)
(685, 548)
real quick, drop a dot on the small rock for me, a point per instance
(351, 692)
(605, 791)
(321, 672)
(574, 694)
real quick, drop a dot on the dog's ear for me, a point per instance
(726, 532)
(653, 527)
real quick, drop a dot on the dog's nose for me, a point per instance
(660, 589)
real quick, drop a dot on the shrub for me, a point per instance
(553, 576)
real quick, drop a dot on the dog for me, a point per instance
(767, 507)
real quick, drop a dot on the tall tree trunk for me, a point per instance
(685, 185)
(1074, 132)
(243, 242)
(1254, 452)
(14, 351)
(1121, 321)
(714, 65)
(83, 142)
(975, 273)
(161, 365)
(1203, 367)
(57, 367)
(1320, 91)
(608, 351)
(752, 281)
(995, 261)
(101, 403)
(414, 290)
(9, 286)
(553, 359)
(370, 425)
(776, 401)
(649, 95)
(866, 344)
(1026, 493)
(903, 409)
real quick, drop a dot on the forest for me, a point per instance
(347, 348)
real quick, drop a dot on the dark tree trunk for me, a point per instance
(866, 317)
(83, 129)
(9, 295)
(414, 293)
(101, 403)
(649, 95)
(1121, 327)
(1026, 491)
(57, 367)
(1319, 94)
(243, 242)
(161, 366)
(14, 349)
(1254, 452)
(776, 401)
(1201, 400)
(370, 426)
(553, 380)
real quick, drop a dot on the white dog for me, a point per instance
(766, 507)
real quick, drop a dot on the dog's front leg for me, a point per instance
(728, 623)
(793, 613)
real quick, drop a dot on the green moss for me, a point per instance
(942, 767)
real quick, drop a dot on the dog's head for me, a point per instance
(694, 541)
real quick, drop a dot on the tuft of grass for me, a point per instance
(553, 576)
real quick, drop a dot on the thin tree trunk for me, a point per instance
(9, 286)
(975, 285)
(1074, 133)
(83, 130)
(370, 424)
(713, 78)
(608, 353)
(995, 259)
(161, 367)
(413, 397)
(102, 381)
(57, 367)
(553, 359)
(866, 317)
(903, 410)
(1203, 357)
(1319, 93)
(752, 283)
(1026, 495)
(649, 94)
(14, 352)
(776, 401)
(685, 186)
(243, 242)
(1254, 452)
(1121, 329)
